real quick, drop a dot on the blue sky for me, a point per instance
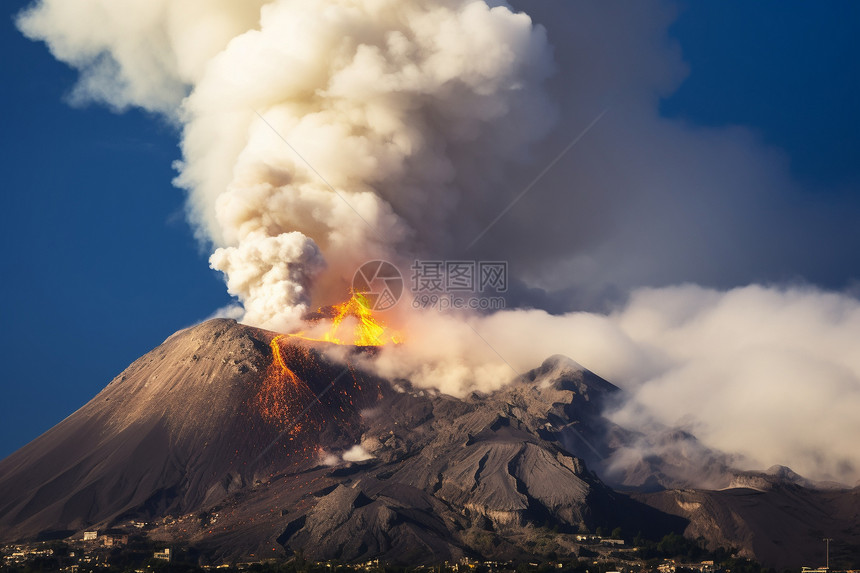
(787, 69)
(101, 266)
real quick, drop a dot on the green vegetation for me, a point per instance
(678, 547)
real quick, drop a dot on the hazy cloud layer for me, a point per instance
(769, 374)
(645, 200)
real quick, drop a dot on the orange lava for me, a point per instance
(283, 395)
(366, 330)
(286, 399)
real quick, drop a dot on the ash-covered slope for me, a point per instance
(243, 460)
(778, 523)
(179, 427)
(664, 458)
(474, 476)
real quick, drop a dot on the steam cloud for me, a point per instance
(408, 125)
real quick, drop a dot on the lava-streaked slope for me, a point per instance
(178, 429)
(230, 421)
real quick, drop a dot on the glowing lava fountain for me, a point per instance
(366, 329)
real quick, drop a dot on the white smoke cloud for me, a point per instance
(388, 108)
(770, 375)
(767, 373)
(374, 120)
(409, 126)
(328, 458)
(232, 311)
(142, 54)
(356, 454)
(272, 276)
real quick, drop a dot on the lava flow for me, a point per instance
(286, 398)
(366, 331)
(295, 380)
(284, 395)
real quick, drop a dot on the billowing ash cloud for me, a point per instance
(319, 135)
(346, 128)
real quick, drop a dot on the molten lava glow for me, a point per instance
(283, 395)
(298, 399)
(278, 357)
(366, 331)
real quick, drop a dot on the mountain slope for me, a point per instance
(205, 425)
(176, 428)
(244, 446)
(782, 526)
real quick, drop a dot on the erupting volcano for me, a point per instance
(333, 140)
(292, 450)
(284, 398)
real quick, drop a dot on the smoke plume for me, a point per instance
(317, 136)
(347, 129)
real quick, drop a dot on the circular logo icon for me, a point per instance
(380, 284)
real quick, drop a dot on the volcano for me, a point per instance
(180, 427)
(246, 445)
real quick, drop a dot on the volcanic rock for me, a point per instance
(209, 442)
(171, 434)
(781, 527)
